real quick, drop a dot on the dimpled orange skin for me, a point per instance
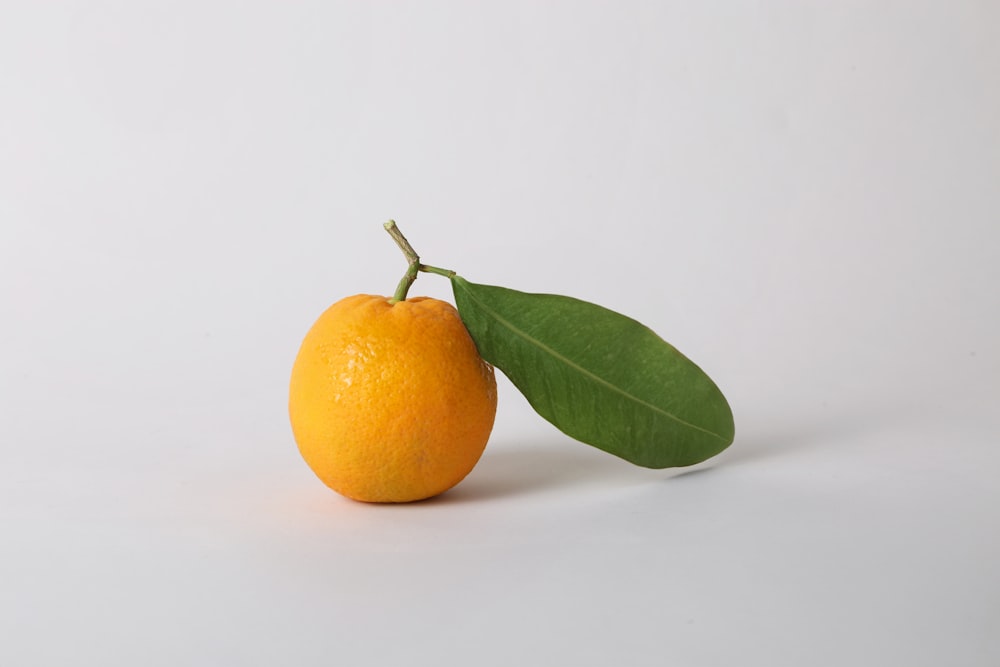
(391, 402)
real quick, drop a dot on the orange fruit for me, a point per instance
(391, 402)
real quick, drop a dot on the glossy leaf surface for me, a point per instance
(598, 376)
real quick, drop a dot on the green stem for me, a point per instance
(413, 263)
(427, 268)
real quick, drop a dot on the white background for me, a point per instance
(804, 197)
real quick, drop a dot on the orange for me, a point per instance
(391, 402)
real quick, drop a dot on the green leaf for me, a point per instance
(598, 376)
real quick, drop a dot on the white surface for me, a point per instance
(801, 196)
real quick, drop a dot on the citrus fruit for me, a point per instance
(389, 400)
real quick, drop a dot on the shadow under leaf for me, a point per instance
(510, 469)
